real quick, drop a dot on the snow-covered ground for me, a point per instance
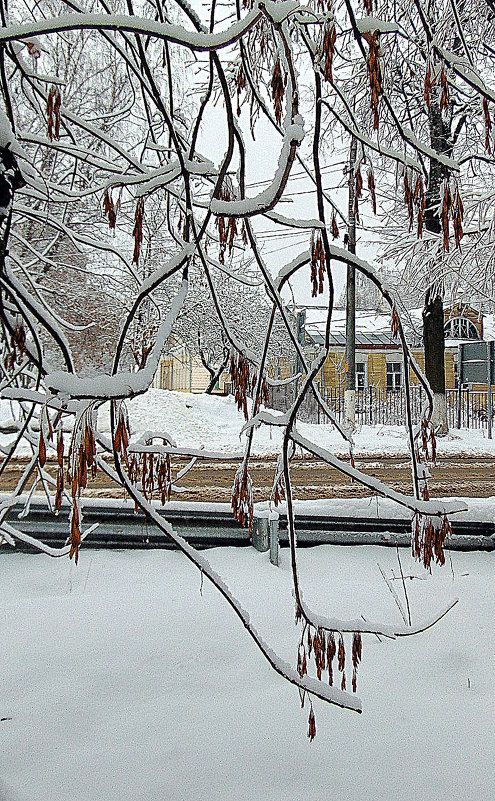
(214, 423)
(120, 680)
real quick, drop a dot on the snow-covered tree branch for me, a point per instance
(129, 214)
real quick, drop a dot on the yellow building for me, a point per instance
(379, 361)
(180, 371)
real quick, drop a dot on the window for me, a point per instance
(394, 375)
(360, 375)
(460, 328)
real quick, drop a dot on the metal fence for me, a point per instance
(473, 408)
(377, 406)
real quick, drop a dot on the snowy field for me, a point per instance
(214, 423)
(121, 681)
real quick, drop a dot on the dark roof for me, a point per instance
(362, 339)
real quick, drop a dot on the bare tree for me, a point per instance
(434, 75)
(142, 157)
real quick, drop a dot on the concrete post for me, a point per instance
(274, 547)
(350, 329)
(261, 537)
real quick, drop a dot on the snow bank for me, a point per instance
(214, 423)
(125, 679)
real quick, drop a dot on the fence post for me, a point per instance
(467, 406)
(274, 548)
(261, 539)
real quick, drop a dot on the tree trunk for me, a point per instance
(215, 372)
(434, 345)
(433, 317)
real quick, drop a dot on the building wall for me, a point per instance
(279, 368)
(377, 369)
(449, 369)
(420, 358)
(334, 369)
(376, 360)
(180, 372)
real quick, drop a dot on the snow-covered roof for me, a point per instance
(362, 339)
(489, 326)
(372, 327)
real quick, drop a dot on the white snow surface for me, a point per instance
(122, 681)
(214, 423)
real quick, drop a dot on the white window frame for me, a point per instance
(453, 329)
(396, 374)
(364, 372)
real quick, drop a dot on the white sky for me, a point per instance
(279, 244)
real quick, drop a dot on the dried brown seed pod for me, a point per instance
(42, 450)
(278, 90)
(329, 39)
(335, 228)
(371, 187)
(341, 655)
(109, 210)
(311, 725)
(75, 534)
(357, 648)
(137, 231)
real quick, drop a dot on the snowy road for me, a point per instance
(466, 476)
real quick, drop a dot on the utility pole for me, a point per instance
(301, 336)
(350, 328)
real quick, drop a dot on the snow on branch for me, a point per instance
(373, 24)
(12, 534)
(175, 34)
(121, 385)
(269, 197)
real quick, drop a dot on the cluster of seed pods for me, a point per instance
(317, 264)
(428, 539)
(322, 647)
(242, 498)
(245, 384)
(153, 472)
